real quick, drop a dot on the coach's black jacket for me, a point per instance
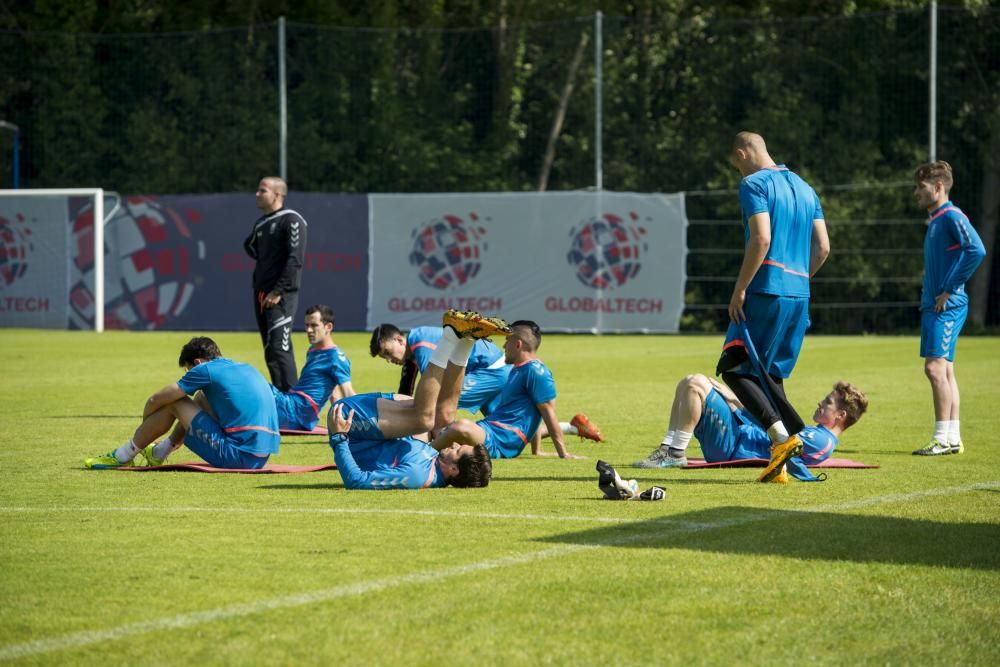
(278, 244)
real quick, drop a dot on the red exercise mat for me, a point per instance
(319, 430)
(269, 469)
(760, 463)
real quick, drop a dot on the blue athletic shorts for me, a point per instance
(501, 443)
(207, 439)
(939, 332)
(777, 325)
(294, 412)
(725, 435)
(364, 426)
(481, 390)
(717, 429)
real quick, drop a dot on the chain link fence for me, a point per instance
(843, 101)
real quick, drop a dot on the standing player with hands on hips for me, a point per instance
(952, 251)
(277, 243)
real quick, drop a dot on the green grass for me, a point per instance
(891, 566)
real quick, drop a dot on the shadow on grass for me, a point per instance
(808, 535)
(301, 487)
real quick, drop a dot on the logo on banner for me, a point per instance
(149, 257)
(15, 246)
(446, 252)
(606, 251)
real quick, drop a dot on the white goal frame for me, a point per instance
(97, 196)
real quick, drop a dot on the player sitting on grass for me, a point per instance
(485, 375)
(379, 441)
(528, 399)
(231, 423)
(325, 377)
(710, 411)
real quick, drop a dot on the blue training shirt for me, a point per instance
(792, 205)
(952, 252)
(529, 384)
(326, 367)
(403, 463)
(422, 341)
(241, 400)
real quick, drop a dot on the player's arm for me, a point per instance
(342, 390)
(165, 396)
(753, 256)
(548, 412)
(295, 249)
(819, 246)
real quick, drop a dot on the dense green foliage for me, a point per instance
(114, 568)
(408, 96)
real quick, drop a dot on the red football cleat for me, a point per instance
(586, 428)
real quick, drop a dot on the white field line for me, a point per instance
(89, 637)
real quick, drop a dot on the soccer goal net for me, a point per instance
(52, 257)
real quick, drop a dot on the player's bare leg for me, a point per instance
(940, 374)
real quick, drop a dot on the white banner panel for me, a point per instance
(571, 261)
(34, 251)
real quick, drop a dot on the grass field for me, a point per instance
(899, 565)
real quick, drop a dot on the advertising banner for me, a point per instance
(571, 261)
(34, 273)
(177, 262)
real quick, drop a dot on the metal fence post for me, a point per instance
(598, 100)
(932, 87)
(282, 104)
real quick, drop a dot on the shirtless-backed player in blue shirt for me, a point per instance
(952, 252)
(326, 375)
(786, 244)
(711, 413)
(231, 422)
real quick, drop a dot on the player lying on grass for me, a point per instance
(485, 375)
(231, 422)
(710, 411)
(325, 377)
(379, 441)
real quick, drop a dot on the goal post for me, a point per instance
(37, 232)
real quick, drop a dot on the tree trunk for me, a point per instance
(979, 285)
(557, 122)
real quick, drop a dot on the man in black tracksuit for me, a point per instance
(278, 244)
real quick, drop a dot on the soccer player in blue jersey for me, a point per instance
(710, 412)
(379, 441)
(527, 400)
(231, 422)
(952, 251)
(786, 244)
(325, 377)
(485, 376)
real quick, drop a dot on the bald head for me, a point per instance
(749, 153)
(277, 184)
(271, 194)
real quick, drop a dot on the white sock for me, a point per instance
(941, 431)
(668, 437)
(777, 432)
(568, 429)
(461, 351)
(681, 441)
(126, 452)
(954, 435)
(165, 448)
(444, 348)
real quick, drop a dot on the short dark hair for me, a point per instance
(935, 172)
(199, 347)
(325, 313)
(380, 335)
(474, 470)
(530, 333)
(851, 400)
